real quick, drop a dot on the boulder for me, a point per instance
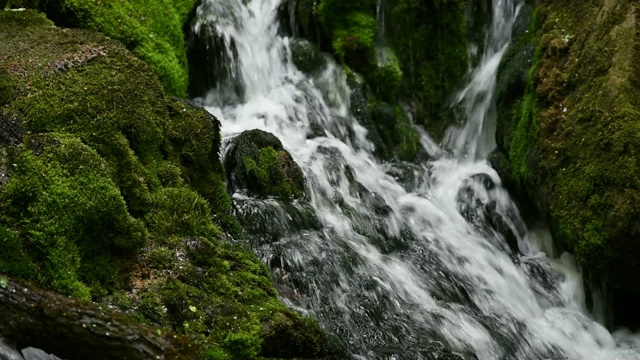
(257, 164)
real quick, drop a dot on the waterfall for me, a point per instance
(399, 256)
(476, 138)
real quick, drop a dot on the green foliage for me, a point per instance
(430, 39)
(70, 213)
(152, 29)
(116, 192)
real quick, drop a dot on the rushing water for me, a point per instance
(391, 257)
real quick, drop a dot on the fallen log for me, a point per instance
(75, 329)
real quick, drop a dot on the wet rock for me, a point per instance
(408, 175)
(306, 56)
(206, 46)
(258, 165)
(481, 211)
(8, 353)
(268, 220)
(76, 329)
(37, 354)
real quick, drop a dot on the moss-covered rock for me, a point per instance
(151, 29)
(572, 134)
(258, 164)
(419, 58)
(430, 40)
(306, 56)
(75, 223)
(113, 192)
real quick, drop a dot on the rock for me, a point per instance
(76, 329)
(306, 56)
(37, 354)
(257, 163)
(570, 132)
(8, 353)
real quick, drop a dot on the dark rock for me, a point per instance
(306, 56)
(8, 353)
(257, 163)
(75, 329)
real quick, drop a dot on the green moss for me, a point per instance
(386, 78)
(193, 142)
(116, 192)
(70, 213)
(353, 41)
(180, 211)
(170, 175)
(6, 88)
(267, 174)
(421, 57)
(526, 136)
(152, 29)
(258, 163)
(430, 39)
(574, 132)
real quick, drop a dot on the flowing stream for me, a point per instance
(393, 258)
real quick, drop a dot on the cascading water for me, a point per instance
(393, 257)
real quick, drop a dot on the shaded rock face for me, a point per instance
(568, 105)
(256, 163)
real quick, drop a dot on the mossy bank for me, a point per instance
(151, 29)
(569, 104)
(114, 192)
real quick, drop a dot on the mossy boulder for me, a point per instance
(258, 164)
(572, 135)
(306, 56)
(389, 127)
(114, 192)
(151, 29)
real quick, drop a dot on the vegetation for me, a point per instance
(257, 163)
(574, 132)
(151, 29)
(419, 58)
(114, 192)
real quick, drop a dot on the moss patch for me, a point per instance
(152, 29)
(117, 196)
(257, 163)
(582, 100)
(71, 218)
